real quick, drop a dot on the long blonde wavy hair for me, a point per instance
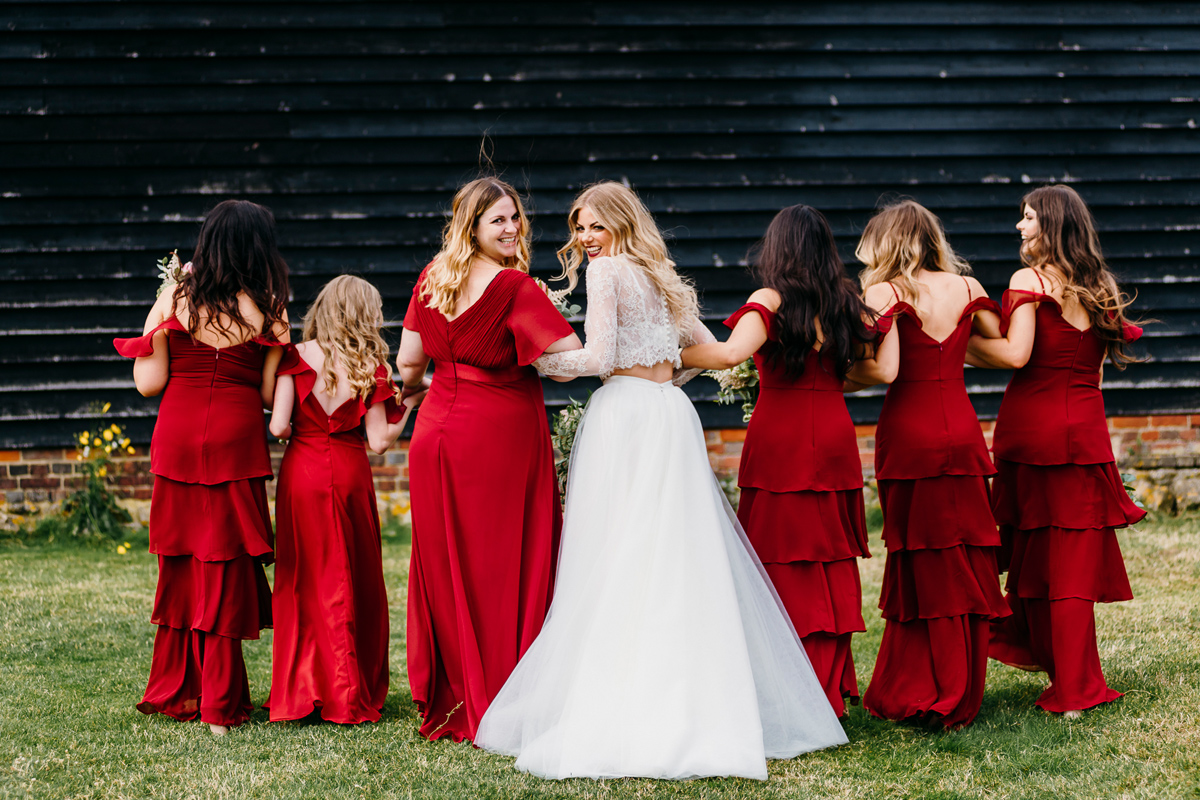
(1068, 244)
(446, 276)
(344, 321)
(637, 238)
(902, 239)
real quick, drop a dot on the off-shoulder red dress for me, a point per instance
(802, 506)
(485, 508)
(209, 525)
(939, 583)
(330, 650)
(1058, 498)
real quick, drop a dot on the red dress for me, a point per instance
(330, 649)
(485, 509)
(1058, 498)
(939, 581)
(209, 525)
(802, 506)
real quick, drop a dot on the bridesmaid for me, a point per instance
(209, 349)
(1057, 495)
(800, 475)
(939, 582)
(485, 506)
(330, 649)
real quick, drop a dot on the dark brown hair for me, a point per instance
(798, 258)
(1068, 243)
(236, 252)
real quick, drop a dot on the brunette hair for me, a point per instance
(899, 241)
(448, 272)
(236, 253)
(798, 258)
(344, 321)
(1068, 243)
(635, 237)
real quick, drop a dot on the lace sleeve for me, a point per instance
(699, 334)
(599, 352)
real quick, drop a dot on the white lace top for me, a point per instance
(627, 325)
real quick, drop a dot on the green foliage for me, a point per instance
(566, 425)
(92, 512)
(738, 383)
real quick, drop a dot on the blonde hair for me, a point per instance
(899, 241)
(446, 276)
(344, 321)
(637, 238)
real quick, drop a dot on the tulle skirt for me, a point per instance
(666, 652)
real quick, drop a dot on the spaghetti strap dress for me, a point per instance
(802, 506)
(486, 515)
(1058, 499)
(330, 648)
(940, 585)
(209, 525)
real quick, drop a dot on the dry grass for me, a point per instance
(75, 646)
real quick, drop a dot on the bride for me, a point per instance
(666, 652)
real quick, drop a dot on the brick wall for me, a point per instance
(1163, 452)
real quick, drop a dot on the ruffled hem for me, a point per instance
(214, 523)
(933, 584)
(833, 663)
(931, 671)
(938, 512)
(820, 597)
(804, 526)
(227, 598)
(1079, 496)
(1060, 563)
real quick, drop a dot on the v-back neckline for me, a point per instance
(312, 394)
(479, 299)
(1058, 307)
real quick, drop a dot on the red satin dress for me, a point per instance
(802, 506)
(1058, 498)
(209, 525)
(939, 582)
(330, 650)
(486, 516)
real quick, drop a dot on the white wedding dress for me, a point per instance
(666, 652)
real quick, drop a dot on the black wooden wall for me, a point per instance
(121, 123)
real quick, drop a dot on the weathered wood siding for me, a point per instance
(122, 123)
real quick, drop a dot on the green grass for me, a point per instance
(75, 646)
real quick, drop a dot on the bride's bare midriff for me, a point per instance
(661, 372)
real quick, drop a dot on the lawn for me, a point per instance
(75, 648)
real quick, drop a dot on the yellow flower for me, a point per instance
(115, 428)
(79, 457)
(83, 438)
(108, 436)
(107, 406)
(124, 443)
(122, 549)
(130, 449)
(102, 472)
(97, 443)
(127, 545)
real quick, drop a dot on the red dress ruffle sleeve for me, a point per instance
(802, 506)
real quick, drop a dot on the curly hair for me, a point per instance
(344, 321)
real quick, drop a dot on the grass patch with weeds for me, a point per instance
(75, 644)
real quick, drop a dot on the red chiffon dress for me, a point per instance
(330, 650)
(485, 508)
(1058, 498)
(209, 525)
(939, 583)
(802, 506)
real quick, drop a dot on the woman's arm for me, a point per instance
(747, 337)
(599, 354)
(382, 434)
(563, 345)
(282, 332)
(881, 363)
(281, 409)
(1013, 350)
(150, 373)
(411, 363)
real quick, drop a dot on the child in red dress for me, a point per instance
(330, 603)
(210, 347)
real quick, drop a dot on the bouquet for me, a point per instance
(566, 425)
(559, 298)
(171, 271)
(741, 382)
